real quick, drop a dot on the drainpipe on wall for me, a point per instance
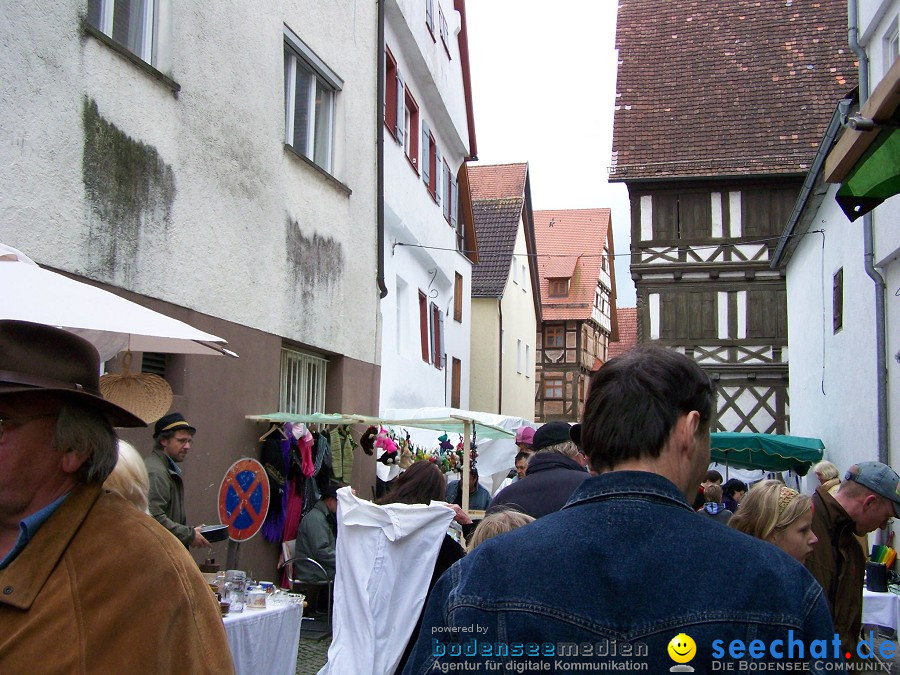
(500, 361)
(869, 254)
(379, 154)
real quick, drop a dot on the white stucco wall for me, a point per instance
(519, 323)
(252, 234)
(841, 364)
(412, 216)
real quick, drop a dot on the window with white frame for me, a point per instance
(528, 361)
(444, 30)
(310, 88)
(519, 355)
(892, 44)
(131, 23)
(302, 382)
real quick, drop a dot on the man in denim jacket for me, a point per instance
(623, 573)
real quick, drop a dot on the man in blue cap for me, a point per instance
(172, 435)
(865, 502)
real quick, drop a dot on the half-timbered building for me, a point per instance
(578, 292)
(718, 115)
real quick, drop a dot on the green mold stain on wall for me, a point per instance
(317, 262)
(130, 191)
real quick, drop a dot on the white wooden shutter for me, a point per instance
(401, 105)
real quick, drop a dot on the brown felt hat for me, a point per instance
(38, 358)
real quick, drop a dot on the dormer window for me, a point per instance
(559, 287)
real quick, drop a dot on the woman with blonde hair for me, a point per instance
(129, 478)
(779, 515)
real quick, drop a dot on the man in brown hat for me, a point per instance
(172, 436)
(87, 582)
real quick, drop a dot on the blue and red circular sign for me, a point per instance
(244, 499)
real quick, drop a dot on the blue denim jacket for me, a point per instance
(616, 575)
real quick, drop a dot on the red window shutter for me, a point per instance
(390, 91)
(423, 325)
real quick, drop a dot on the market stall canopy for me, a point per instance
(451, 424)
(769, 452)
(109, 322)
(866, 160)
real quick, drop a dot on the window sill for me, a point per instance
(318, 169)
(412, 164)
(130, 56)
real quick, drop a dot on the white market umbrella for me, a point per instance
(111, 323)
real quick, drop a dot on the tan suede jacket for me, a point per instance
(838, 564)
(104, 588)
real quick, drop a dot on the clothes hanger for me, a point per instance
(275, 427)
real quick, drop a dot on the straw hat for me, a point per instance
(146, 395)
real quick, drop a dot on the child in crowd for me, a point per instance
(713, 507)
(775, 513)
(498, 522)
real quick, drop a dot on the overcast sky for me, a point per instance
(543, 80)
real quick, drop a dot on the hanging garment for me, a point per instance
(385, 559)
(276, 463)
(321, 474)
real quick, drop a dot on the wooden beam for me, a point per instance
(880, 107)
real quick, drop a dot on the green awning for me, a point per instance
(875, 177)
(451, 424)
(769, 452)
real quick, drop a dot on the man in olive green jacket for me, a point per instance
(172, 440)
(316, 538)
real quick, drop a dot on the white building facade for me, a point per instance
(216, 162)
(429, 240)
(834, 368)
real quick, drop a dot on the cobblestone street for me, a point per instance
(312, 655)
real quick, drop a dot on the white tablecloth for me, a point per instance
(265, 640)
(881, 609)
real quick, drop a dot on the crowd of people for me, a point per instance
(594, 540)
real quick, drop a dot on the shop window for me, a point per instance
(302, 382)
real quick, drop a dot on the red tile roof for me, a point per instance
(726, 87)
(571, 239)
(498, 197)
(627, 331)
(497, 181)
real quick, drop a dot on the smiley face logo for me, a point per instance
(682, 648)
